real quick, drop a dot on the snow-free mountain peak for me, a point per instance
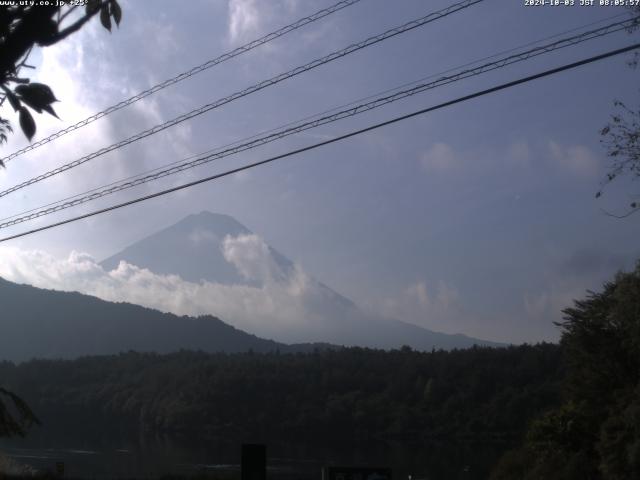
(190, 248)
(262, 291)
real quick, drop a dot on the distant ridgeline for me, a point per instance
(477, 396)
(38, 323)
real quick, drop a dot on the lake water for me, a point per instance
(109, 456)
(152, 458)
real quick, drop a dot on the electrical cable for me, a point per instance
(252, 89)
(333, 140)
(256, 141)
(189, 73)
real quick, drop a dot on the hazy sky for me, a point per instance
(479, 218)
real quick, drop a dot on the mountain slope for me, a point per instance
(50, 324)
(165, 250)
(193, 249)
(196, 249)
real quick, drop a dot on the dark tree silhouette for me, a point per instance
(15, 415)
(595, 434)
(621, 137)
(436, 404)
(24, 27)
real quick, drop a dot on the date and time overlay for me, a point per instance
(581, 3)
(45, 3)
(527, 3)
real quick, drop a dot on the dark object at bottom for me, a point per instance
(356, 473)
(254, 462)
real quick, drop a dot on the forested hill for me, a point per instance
(37, 323)
(478, 396)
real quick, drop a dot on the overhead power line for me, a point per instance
(189, 73)
(252, 89)
(256, 141)
(465, 98)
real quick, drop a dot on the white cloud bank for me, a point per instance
(282, 307)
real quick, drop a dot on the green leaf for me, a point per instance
(43, 91)
(27, 123)
(92, 7)
(37, 95)
(49, 109)
(116, 11)
(13, 100)
(5, 125)
(32, 105)
(104, 17)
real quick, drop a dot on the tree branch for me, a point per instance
(74, 27)
(625, 215)
(65, 14)
(20, 40)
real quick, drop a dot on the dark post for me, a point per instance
(254, 462)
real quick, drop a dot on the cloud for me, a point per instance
(447, 296)
(86, 78)
(287, 305)
(252, 258)
(428, 307)
(576, 159)
(163, 32)
(519, 154)
(199, 236)
(244, 19)
(584, 269)
(439, 158)
(536, 305)
(250, 19)
(418, 292)
(592, 262)
(547, 306)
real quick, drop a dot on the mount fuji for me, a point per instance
(217, 253)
